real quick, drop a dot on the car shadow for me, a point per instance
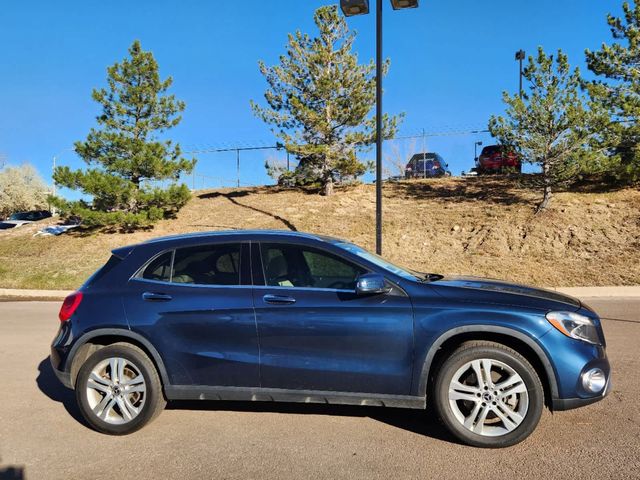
(49, 384)
(12, 473)
(416, 421)
(420, 422)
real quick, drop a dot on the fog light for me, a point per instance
(594, 380)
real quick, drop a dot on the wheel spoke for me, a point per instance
(129, 405)
(135, 388)
(121, 364)
(477, 369)
(479, 424)
(105, 406)
(486, 370)
(98, 383)
(126, 414)
(469, 422)
(519, 388)
(113, 366)
(105, 413)
(506, 421)
(134, 381)
(513, 384)
(459, 391)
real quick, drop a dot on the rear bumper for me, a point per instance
(63, 377)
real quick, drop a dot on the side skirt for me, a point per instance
(201, 392)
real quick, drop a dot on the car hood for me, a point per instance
(484, 290)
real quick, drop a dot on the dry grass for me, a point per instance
(479, 226)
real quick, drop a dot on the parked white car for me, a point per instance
(21, 218)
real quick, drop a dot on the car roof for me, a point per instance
(236, 235)
(244, 235)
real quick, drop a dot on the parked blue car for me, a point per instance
(293, 317)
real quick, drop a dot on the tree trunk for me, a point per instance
(546, 198)
(328, 186)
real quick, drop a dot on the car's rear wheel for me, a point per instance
(488, 395)
(118, 389)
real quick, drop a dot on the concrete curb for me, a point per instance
(600, 292)
(10, 293)
(580, 292)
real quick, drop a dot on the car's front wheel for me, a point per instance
(118, 389)
(488, 395)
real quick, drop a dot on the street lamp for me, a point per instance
(520, 54)
(475, 150)
(351, 8)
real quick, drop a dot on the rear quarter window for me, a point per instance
(159, 269)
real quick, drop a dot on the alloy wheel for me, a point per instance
(116, 390)
(488, 397)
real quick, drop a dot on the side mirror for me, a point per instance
(371, 284)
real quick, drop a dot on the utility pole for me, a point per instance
(424, 154)
(238, 166)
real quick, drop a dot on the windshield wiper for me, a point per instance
(428, 277)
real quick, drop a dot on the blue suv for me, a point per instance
(293, 317)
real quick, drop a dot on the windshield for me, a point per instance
(19, 216)
(380, 262)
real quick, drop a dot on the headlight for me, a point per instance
(575, 325)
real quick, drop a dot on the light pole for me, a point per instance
(520, 54)
(53, 167)
(361, 7)
(475, 150)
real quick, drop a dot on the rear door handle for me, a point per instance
(279, 299)
(156, 297)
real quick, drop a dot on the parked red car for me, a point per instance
(498, 159)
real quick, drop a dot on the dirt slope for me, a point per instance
(479, 226)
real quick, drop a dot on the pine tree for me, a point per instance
(553, 125)
(319, 100)
(619, 63)
(124, 154)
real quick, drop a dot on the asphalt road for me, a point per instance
(42, 436)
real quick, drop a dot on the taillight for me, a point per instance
(69, 306)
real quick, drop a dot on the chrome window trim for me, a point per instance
(312, 289)
(192, 285)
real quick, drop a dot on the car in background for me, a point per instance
(22, 218)
(294, 317)
(426, 165)
(498, 159)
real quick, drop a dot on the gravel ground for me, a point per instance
(42, 436)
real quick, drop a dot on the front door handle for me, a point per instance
(279, 299)
(155, 297)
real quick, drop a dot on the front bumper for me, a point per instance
(561, 404)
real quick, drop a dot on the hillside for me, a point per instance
(479, 226)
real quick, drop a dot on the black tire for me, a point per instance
(499, 353)
(153, 403)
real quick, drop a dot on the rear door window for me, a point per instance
(207, 265)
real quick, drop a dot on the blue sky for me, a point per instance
(450, 63)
